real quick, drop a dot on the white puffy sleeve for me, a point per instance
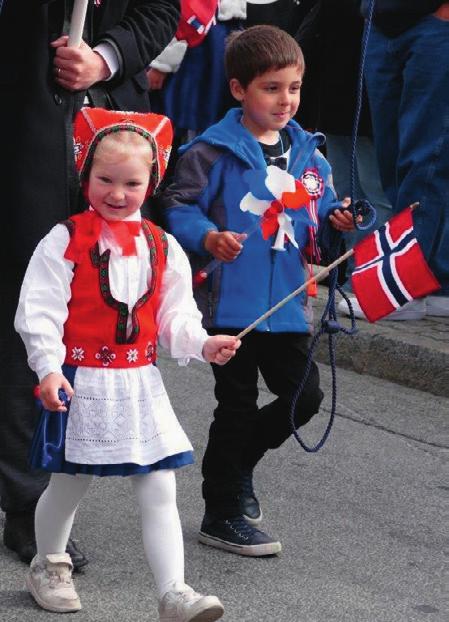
(42, 309)
(171, 57)
(178, 317)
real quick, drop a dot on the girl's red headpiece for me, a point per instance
(92, 124)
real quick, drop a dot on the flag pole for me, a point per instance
(315, 279)
(77, 23)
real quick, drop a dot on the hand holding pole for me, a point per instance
(202, 274)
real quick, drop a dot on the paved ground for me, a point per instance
(364, 523)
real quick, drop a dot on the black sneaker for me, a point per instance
(237, 536)
(249, 504)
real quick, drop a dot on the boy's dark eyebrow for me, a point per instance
(299, 82)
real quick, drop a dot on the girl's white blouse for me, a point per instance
(116, 415)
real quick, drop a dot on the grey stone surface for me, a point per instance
(363, 523)
(412, 353)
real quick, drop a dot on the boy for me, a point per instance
(265, 67)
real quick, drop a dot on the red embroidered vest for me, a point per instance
(95, 330)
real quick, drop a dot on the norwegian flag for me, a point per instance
(390, 268)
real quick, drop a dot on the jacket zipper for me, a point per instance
(273, 260)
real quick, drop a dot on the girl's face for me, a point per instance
(118, 185)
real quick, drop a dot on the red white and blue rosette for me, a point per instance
(280, 200)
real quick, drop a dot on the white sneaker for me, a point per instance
(183, 604)
(438, 306)
(50, 583)
(413, 310)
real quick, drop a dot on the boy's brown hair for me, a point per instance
(250, 53)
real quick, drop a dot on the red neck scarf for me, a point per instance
(123, 231)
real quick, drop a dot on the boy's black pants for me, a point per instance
(241, 432)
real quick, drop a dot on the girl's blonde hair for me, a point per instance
(124, 143)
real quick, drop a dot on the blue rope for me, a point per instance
(362, 206)
(329, 324)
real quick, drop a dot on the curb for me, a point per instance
(411, 353)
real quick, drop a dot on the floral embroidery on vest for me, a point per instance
(105, 355)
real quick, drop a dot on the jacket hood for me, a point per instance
(230, 134)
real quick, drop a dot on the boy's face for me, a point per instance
(117, 186)
(269, 101)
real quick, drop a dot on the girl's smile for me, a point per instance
(117, 186)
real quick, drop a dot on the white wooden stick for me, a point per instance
(316, 278)
(77, 23)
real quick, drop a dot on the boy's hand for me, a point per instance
(49, 388)
(224, 245)
(76, 69)
(220, 349)
(341, 219)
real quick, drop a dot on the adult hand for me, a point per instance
(49, 388)
(224, 245)
(220, 349)
(77, 69)
(155, 79)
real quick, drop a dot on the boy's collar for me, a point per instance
(229, 134)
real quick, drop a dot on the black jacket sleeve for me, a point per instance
(143, 31)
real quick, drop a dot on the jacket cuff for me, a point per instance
(108, 53)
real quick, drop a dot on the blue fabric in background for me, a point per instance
(407, 81)
(197, 95)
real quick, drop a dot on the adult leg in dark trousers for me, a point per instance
(241, 432)
(20, 489)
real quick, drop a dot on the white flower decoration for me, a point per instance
(77, 354)
(277, 181)
(132, 356)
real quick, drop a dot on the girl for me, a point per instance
(100, 291)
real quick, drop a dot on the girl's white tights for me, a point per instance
(161, 527)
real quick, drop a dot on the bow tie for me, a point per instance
(280, 162)
(123, 231)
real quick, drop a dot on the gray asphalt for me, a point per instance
(363, 523)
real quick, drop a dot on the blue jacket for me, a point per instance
(206, 194)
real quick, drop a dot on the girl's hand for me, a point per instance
(224, 245)
(220, 349)
(341, 219)
(77, 69)
(49, 388)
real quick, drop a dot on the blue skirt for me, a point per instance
(47, 450)
(197, 95)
